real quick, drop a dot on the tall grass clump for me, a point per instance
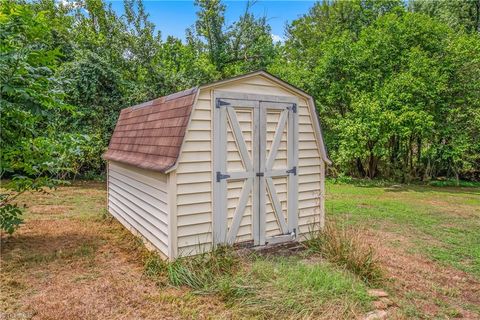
(203, 271)
(347, 247)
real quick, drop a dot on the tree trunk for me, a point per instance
(360, 168)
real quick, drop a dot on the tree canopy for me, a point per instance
(397, 85)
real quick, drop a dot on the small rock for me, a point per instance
(379, 305)
(377, 293)
(386, 301)
(376, 315)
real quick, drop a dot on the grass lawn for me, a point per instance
(70, 260)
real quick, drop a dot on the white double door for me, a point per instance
(255, 170)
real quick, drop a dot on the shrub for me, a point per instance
(346, 246)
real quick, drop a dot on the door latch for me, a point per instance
(260, 174)
(221, 176)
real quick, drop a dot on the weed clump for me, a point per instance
(200, 272)
(346, 247)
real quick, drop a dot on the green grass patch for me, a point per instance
(292, 288)
(441, 222)
(265, 287)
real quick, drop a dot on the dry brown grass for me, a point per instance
(68, 263)
(346, 246)
(421, 287)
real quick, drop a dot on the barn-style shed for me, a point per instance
(236, 161)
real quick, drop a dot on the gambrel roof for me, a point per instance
(150, 135)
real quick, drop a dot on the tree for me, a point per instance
(244, 46)
(391, 96)
(34, 152)
(456, 14)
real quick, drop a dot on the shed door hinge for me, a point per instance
(221, 103)
(294, 108)
(221, 176)
(293, 170)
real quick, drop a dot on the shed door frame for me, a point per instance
(258, 172)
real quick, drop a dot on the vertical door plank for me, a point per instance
(277, 138)
(292, 146)
(277, 205)
(240, 210)
(256, 168)
(261, 179)
(239, 139)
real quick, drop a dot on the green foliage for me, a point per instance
(390, 89)
(10, 216)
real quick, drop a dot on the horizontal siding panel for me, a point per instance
(152, 178)
(308, 203)
(254, 89)
(190, 146)
(192, 167)
(194, 219)
(194, 208)
(194, 177)
(194, 188)
(200, 125)
(305, 128)
(194, 240)
(127, 182)
(311, 153)
(194, 156)
(194, 229)
(129, 222)
(201, 114)
(195, 249)
(311, 161)
(143, 200)
(307, 145)
(138, 198)
(191, 198)
(309, 186)
(153, 218)
(147, 223)
(306, 170)
(198, 135)
(204, 94)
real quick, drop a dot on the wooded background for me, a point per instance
(397, 85)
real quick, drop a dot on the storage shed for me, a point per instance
(236, 161)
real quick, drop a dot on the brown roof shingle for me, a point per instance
(149, 135)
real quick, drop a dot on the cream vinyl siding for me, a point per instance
(310, 174)
(194, 176)
(138, 199)
(194, 181)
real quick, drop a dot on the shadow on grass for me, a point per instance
(465, 187)
(30, 250)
